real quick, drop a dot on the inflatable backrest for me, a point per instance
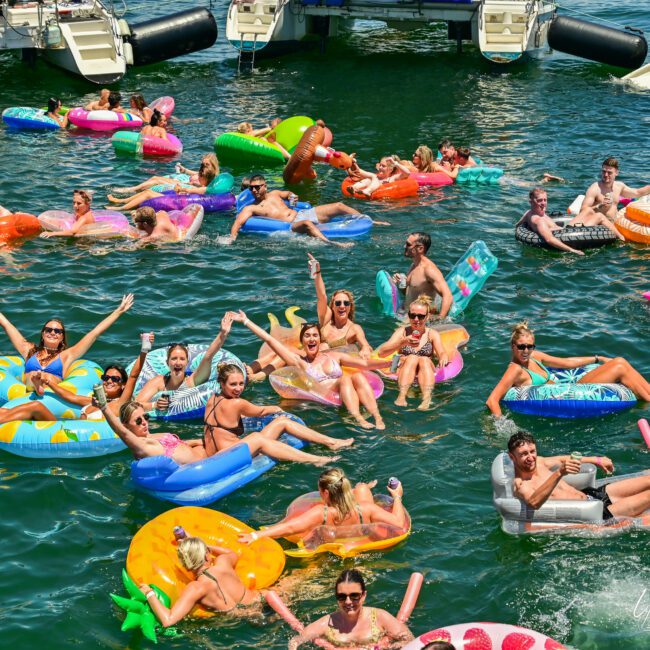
(152, 472)
(220, 184)
(289, 131)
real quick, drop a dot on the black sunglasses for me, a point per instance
(178, 344)
(355, 597)
(525, 346)
(141, 418)
(52, 330)
(342, 303)
(256, 187)
(117, 379)
(413, 316)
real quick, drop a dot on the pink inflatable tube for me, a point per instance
(644, 427)
(165, 105)
(433, 178)
(444, 373)
(152, 146)
(487, 636)
(408, 605)
(103, 120)
(647, 295)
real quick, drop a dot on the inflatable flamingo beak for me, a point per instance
(337, 154)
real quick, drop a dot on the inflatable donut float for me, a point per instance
(18, 225)
(134, 143)
(579, 237)
(487, 636)
(435, 179)
(152, 557)
(24, 117)
(396, 190)
(633, 222)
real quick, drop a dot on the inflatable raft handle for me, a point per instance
(644, 427)
(274, 600)
(412, 593)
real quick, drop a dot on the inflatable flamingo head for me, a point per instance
(340, 160)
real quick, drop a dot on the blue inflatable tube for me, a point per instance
(207, 481)
(246, 198)
(24, 117)
(567, 399)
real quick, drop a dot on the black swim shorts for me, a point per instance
(600, 494)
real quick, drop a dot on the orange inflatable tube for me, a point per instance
(632, 230)
(18, 225)
(396, 190)
(638, 211)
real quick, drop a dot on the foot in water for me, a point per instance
(340, 444)
(326, 460)
(114, 199)
(342, 244)
(364, 424)
(379, 422)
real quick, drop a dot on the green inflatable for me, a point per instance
(237, 148)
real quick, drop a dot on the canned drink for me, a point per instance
(179, 533)
(394, 364)
(293, 200)
(100, 395)
(146, 342)
(393, 482)
(576, 455)
(178, 168)
(313, 268)
(402, 281)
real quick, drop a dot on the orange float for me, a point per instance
(18, 225)
(309, 150)
(396, 190)
(152, 557)
(632, 228)
(639, 211)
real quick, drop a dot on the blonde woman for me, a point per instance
(216, 586)
(422, 161)
(528, 368)
(341, 506)
(416, 343)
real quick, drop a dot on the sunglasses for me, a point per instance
(177, 344)
(116, 379)
(142, 418)
(256, 187)
(52, 330)
(525, 346)
(355, 597)
(342, 303)
(413, 316)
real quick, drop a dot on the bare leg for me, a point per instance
(630, 497)
(589, 217)
(310, 229)
(280, 425)
(29, 411)
(350, 400)
(278, 450)
(367, 397)
(133, 201)
(618, 370)
(145, 185)
(330, 210)
(427, 380)
(405, 378)
(262, 367)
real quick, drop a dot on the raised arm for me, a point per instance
(435, 277)
(632, 193)
(22, 345)
(202, 373)
(137, 445)
(505, 383)
(323, 309)
(132, 380)
(290, 357)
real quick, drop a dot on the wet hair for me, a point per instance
(308, 326)
(422, 238)
(445, 143)
(244, 127)
(439, 644)
(335, 483)
(87, 198)
(463, 152)
(520, 438)
(191, 552)
(119, 369)
(41, 344)
(245, 183)
(426, 158)
(114, 99)
(350, 296)
(610, 162)
(424, 301)
(350, 576)
(224, 370)
(173, 346)
(139, 102)
(519, 330)
(256, 177)
(535, 191)
(127, 410)
(53, 104)
(146, 214)
(156, 117)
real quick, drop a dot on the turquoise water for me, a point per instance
(66, 525)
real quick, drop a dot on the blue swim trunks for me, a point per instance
(306, 215)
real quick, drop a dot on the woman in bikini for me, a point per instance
(224, 426)
(117, 385)
(341, 506)
(178, 359)
(416, 344)
(132, 427)
(353, 625)
(216, 585)
(336, 321)
(156, 126)
(324, 367)
(52, 357)
(528, 368)
(138, 106)
(53, 108)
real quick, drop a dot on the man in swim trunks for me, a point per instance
(539, 479)
(603, 196)
(424, 277)
(154, 226)
(272, 206)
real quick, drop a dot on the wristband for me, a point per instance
(245, 321)
(151, 594)
(254, 535)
